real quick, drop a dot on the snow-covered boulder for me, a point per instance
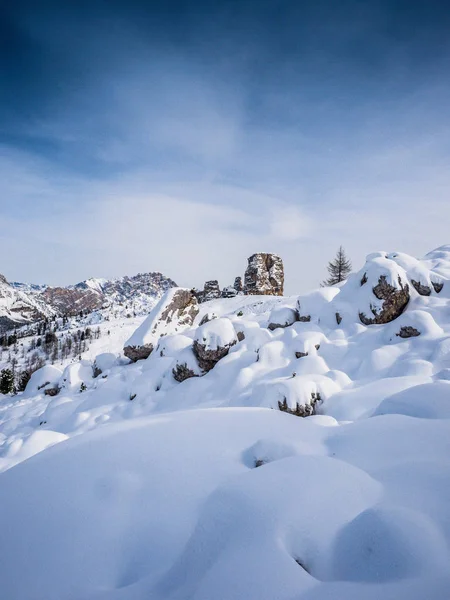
(264, 275)
(103, 362)
(229, 292)
(282, 316)
(213, 341)
(377, 294)
(186, 366)
(175, 312)
(43, 380)
(76, 376)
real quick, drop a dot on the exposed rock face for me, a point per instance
(282, 316)
(423, 290)
(213, 341)
(52, 391)
(18, 308)
(229, 292)
(301, 410)
(211, 291)
(437, 285)
(175, 311)
(264, 275)
(394, 302)
(69, 302)
(206, 318)
(181, 372)
(408, 331)
(238, 284)
(136, 353)
(22, 303)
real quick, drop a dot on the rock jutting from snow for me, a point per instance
(213, 341)
(264, 275)
(238, 285)
(211, 290)
(282, 316)
(175, 312)
(394, 301)
(229, 292)
(423, 290)
(181, 372)
(408, 331)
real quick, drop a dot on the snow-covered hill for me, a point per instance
(212, 487)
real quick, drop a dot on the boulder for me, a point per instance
(423, 290)
(282, 316)
(238, 285)
(394, 300)
(264, 275)
(175, 312)
(408, 331)
(229, 292)
(213, 341)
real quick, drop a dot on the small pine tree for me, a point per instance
(339, 268)
(6, 381)
(22, 379)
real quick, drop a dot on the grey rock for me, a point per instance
(208, 358)
(394, 299)
(423, 290)
(408, 331)
(264, 275)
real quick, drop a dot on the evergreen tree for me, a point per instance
(339, 268)
(6, 382)
(22, 379)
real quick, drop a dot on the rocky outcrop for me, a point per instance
(139, 352)
(213, 341)
(229, 292)
(301, 410)
(423, 290)
(282, 316)
(70, 302)
(175, 311)
(264, 275)
(211, 291)
(394, 301)
(238, 285)
(407, 332)
(181, 372)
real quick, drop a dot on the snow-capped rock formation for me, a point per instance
(282, 316)
(175, 311)
(213, 341)
(17, 307)
(211, 290)
(26, 303)
(264, 275)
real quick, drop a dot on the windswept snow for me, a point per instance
(206, 490)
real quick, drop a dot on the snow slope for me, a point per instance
(147, 488)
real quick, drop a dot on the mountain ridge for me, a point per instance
(25, 303)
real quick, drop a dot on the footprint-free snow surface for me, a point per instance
(129, 485)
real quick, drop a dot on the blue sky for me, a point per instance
(184, 136)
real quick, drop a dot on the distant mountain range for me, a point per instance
(23, 303)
